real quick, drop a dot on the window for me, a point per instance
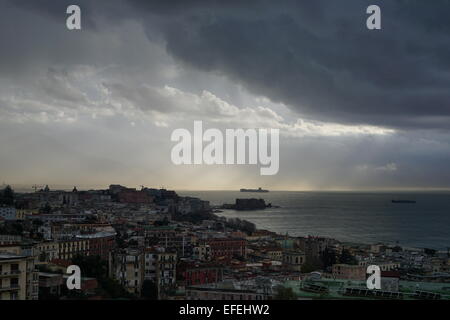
(14, 282)
(14, 267)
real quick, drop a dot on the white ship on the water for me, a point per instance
(254, 190)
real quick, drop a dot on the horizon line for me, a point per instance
(181, 189)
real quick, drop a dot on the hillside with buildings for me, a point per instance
(154, 244)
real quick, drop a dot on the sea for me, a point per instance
(351, 217)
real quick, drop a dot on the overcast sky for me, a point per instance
(357, 109)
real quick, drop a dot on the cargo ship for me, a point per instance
(403, 201)
(254, 190)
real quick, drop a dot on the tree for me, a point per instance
(43, 257)
(347, 258)
(14, 228)
(7, 196)
(328, 258)
(149, 290)
(95, 267)
(308, 267)
(111, 288)
(91, 266)
(284, 293)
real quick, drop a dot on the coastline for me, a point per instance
(345, 243)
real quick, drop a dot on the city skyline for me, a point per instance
(68, 187)
(357, 109)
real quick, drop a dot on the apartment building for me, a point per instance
(192, 273)
(21, 213)
(349, 272)
(274, 254)
(160, 267)
(100, 243)
(293, 260)
(67, 249)
(127, 267)
(227, 247)
(202, 252)
(8, 213)
(18, 278)
(231, 290)
(47, 251)
(384, 265)
(6, 239)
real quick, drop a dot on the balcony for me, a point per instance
(12, 287)
(10, 273)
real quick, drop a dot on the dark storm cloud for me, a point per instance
(315, 56)
(319, 58)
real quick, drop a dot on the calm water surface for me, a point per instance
(345, 216)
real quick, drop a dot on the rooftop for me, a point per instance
(10, 256)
